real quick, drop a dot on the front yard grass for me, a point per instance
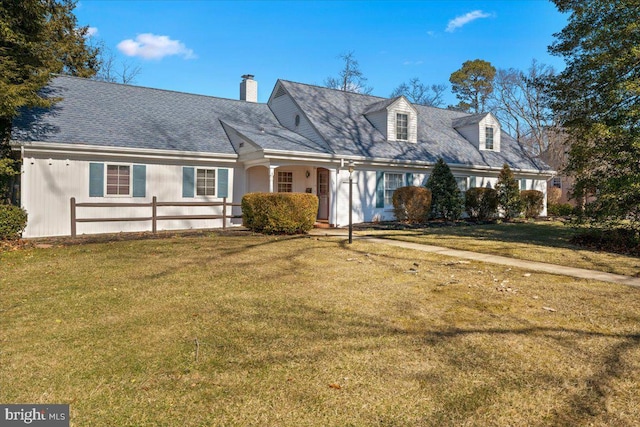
(309, 331)
(533, 241)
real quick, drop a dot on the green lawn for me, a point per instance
(309, 331)
(540, 241)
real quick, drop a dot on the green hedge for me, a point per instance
(412, 204)
(481, 203)
(13, 221)
(279, 213)
(560, 209)
(533, 201)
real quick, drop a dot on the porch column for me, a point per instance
(272, 173)
(334, 185)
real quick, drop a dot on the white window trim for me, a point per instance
(493, 138)
(106, 179)
(385, 186)
(278, 181)
(215, 182)
(408, 116)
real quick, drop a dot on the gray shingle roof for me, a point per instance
(276, 137)
(339, 118)
(116, 115)
(380, 105)
(474, 119)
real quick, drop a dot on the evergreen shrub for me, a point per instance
(560, 209)
(533, 202)
(481, 203)
(508, 188)
(446, 199)
(13, 221)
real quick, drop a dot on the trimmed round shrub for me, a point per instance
(13, 221)
(412, 204)
(560, 209)
(533, 201)
(279, 213)
(481, 203)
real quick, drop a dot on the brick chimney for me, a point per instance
(248, 89)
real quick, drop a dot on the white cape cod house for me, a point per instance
(106, 142)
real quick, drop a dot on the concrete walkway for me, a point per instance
(543, 267)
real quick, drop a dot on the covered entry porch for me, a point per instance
(321, 180)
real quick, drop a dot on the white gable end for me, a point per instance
(403, 108)
(291, 117)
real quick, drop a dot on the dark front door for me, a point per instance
(323, 194)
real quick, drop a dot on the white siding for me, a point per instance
(379, 120)
(286, 110)
(364, 196)
(471, 133)
(48, 186)
(258, 179)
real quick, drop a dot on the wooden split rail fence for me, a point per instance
(154, 218)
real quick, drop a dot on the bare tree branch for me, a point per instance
(350, 78)
(418, 93)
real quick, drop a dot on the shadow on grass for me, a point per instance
(327, 335)
(590, 399)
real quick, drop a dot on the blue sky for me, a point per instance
(205, 46)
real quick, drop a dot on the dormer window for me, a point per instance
(395, 118)
(482, 130)
(488, 134)
(402, 127)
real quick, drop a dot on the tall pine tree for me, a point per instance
(597, 98)
(37, 39)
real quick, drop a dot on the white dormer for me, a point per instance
(483, 130)
(396, 118)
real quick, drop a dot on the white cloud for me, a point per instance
(413, 62)
(460, 21)
(151, 46)
(92, 31)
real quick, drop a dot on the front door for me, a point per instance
(323, 194)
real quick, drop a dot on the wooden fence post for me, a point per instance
(224, 213)
(154, 214)
(73, 217)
